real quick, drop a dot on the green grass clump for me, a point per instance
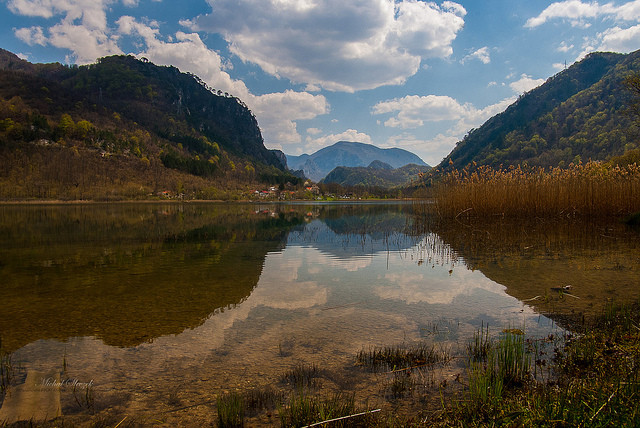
(494, 367)
(479, 348)
(513, 361)
(400, 356)
(230, 410)
(303, 409)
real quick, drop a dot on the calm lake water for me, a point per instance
(156, 309)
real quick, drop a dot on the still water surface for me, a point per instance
(160, 307)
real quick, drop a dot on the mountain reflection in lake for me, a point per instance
(164, 306)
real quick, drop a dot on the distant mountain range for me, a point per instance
(580, 114)
(349, 154)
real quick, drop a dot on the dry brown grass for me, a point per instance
(593, 189)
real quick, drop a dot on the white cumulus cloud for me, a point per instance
(338, 45)
(32, 36)
(579, 13)
(90, 13)
(618, 39)
(481, 54)
(525, 83)
(82, 28)
(278, 112)
(573, 10)
(415, 111)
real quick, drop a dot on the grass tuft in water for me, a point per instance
(485, 386)
(303, 409)
(401, 385)
(479, 348)
(400, 356)
(230, 410)
(303, 375)
(513, 360)
(259, 399)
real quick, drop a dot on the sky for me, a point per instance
(394, 73)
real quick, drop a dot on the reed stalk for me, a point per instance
(594, 189)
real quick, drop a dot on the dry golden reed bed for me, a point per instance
(593, 189)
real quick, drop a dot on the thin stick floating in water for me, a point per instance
(339, 419)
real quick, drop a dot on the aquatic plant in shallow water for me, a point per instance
(230, 410)
(479, 348)
(400, 356)
(303, 375)
(303, 409)
(494, 367)
(513, 360)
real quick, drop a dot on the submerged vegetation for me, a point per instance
(400, 357)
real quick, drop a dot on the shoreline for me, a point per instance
(189, 201)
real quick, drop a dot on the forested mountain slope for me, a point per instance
(577, 115)
(376, 174)
(151, 118)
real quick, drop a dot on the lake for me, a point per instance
(149, 311)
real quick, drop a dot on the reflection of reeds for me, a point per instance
(593, 189)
